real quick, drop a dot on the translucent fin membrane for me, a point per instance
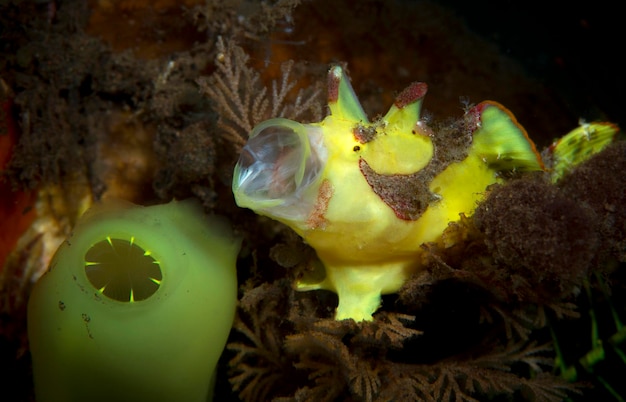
(501, 142)
(278, 165)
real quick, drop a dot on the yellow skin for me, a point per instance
(311, 177)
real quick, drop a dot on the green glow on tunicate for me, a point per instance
(137, 306)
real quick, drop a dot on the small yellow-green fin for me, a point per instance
(579, 145)
(405, 111)
(501, 141)
(342, 100)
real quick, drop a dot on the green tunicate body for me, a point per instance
(89, 343)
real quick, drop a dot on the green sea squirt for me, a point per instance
(136, 306)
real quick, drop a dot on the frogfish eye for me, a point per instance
(122, 270)
(280, 161)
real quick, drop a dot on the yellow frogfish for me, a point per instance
(367, 195)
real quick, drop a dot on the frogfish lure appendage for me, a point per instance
(367, 195)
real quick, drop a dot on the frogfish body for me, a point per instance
(368, 195)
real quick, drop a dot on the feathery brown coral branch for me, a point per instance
(236, 90)
(259, 364)
(242, 100)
